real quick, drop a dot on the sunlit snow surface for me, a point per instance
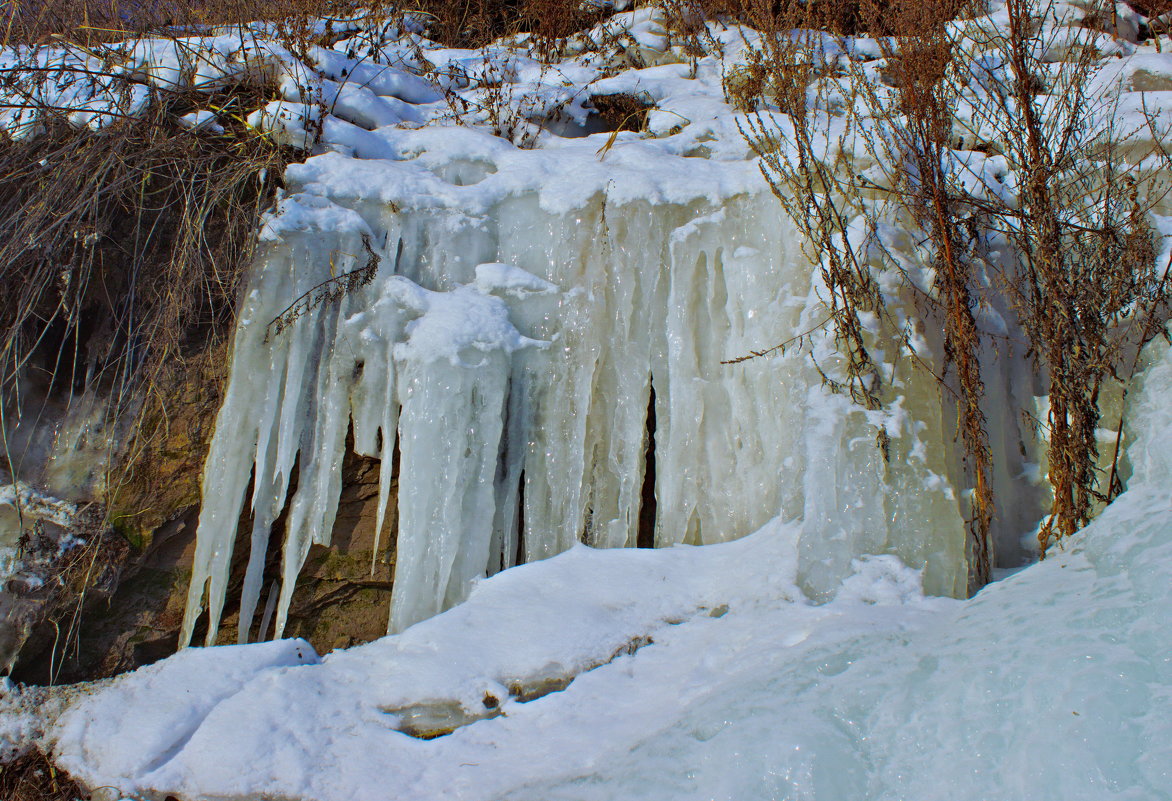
(1053, 683)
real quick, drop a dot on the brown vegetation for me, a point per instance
(33, 777)
(1082, 277)
(465, 23)
(122, 252)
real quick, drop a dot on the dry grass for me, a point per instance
(463, 23)
(840, 17)
(34, 778)
(472, 23)
(89, 21)
(622, 111)
(1086, 278)
(122, 251)
(1151, 8)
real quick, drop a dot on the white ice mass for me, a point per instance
(639, 265)
(513, 318)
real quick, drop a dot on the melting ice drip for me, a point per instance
(519, 398)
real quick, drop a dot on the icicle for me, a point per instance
(450, 432)
(271, 474)
(259, 430)
(386, 475)
(372, 335)
(267, 617)
(388, 427)
(231, 457)
(454, 372)
(311, 515)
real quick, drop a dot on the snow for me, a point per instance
(206, 677)
(467, 319)
(202, 120)
(507, 279)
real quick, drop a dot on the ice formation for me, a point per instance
(641, 263)
(59, 452)
(547, 290)
(488, 421)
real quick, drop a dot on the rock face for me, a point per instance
(131, 609)
(339, 600)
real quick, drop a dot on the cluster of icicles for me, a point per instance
(514, 362)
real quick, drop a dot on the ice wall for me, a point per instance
(511, 341)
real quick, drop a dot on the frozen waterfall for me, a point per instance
(523, 316)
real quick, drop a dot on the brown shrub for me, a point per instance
(122, 252)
